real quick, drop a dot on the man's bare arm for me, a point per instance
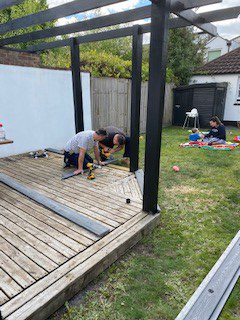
(80, 161)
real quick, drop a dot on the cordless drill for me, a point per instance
(91, 175)
(104, 155)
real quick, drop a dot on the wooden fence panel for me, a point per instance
(111, 103)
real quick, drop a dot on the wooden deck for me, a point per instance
(46, 259)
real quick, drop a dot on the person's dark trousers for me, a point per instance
(127, 148)
(72, 159)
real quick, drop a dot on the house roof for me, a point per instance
(227, 63)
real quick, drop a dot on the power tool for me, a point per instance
(91, 175)
(104, 155)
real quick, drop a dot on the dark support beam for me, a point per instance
(64, 10)
(8, 3)
(77, 86)
(136, 96)
(86, 25)
(100, 22)
(218, 15)
(198, 21)
(156, 94)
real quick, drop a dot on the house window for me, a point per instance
(213, 55)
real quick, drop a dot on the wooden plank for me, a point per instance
(78, 277)
(59, 223)
(74, 204)
(60, 209)
(81, 193)
(80, 185)
(5, 141)
(44, 283)
(28, 265)
(32, 240)
(62, 242)
(8, 285)
(27, 249)
(51, 241)
(15, 271)
(114, 166)
(3, 298)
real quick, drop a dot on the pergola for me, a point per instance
(159, 12)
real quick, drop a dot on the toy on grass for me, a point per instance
(176, 168)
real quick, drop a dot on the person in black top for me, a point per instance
(114, 142)
(217, 135)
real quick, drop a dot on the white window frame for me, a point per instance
(238, 93)
(213, 50)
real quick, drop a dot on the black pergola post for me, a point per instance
(136, 96)
(156, 92)
(77, 87)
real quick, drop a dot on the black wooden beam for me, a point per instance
(156, 94)
(137, 43)
(8, 3)
(64, 10)
(96, 23)
(198, 21)
(77, 86)
(86, 25)
(218, 15)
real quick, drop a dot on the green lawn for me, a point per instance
(200, 216)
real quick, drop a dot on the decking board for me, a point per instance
(46, 259)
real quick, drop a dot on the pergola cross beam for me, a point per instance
(101, 22)
(217, 15)
(9, 3)
(61, 11)
(198, 21)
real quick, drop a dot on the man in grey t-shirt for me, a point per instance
(77, 147)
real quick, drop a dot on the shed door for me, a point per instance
(182, 104)
(220, 102)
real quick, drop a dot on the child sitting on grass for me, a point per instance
(195, 135)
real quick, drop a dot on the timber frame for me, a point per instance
(159, 12)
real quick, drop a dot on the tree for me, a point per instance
(186, 51)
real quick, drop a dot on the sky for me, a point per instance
(227, 29)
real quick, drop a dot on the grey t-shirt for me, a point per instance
(83, 139)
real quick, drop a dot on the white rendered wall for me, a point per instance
(219, 43)
(232, 112)
(36, 108)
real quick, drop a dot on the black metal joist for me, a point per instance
(77, 86)
(8, 3)
(100, 22)
(137, 43)
(64, 10)
(174, 23)
(156, 92)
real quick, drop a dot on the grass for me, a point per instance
(200, 216)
